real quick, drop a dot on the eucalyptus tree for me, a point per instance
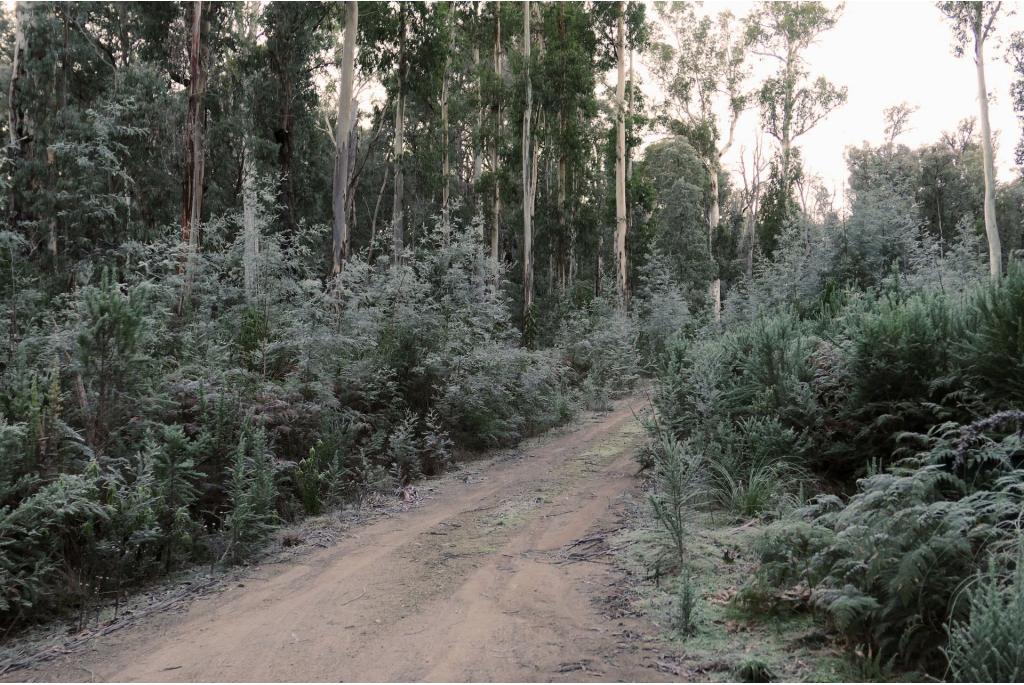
(344, 125)
(621, 273)
(565, 89)
(530, 159)
(702, 65)
(791, 101)
(195, 144)
(973, 24)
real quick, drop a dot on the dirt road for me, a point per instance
(476, 583)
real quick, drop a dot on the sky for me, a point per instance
(886, 53)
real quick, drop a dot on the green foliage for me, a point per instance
(753, 670)
(252, 493)
(686, 617)
(986, 648)
(675, 474)
(599, 344)
(993, 343)
(888, 565)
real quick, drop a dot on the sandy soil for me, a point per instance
(480, 582)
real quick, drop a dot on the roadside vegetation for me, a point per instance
(262, 261)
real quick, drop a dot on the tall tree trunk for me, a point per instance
(342, 139)
(714, 217)
(751, 242)
(17, 124)
(445, 133)
(495, 140)
(398, 201)
(192, 197)
(995, 252)
(353, 178)
(629, 113)
(376, 212)
(563, 256)
(478, 157)
(620, 161)
(250, 231)
(528, 175)
(786, 142)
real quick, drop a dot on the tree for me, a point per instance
(529, 169)
(496, 140)
(897, 121)
(752, 175)
(194, 154)
(398, 151)
(344, 124)
(973, 23)
(703, 74)
(791, 101)
(620, 159)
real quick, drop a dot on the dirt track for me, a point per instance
(474, 584)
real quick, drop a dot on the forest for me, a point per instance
(264, 261)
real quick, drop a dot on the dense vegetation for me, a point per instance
(862, 396)
(263, 261)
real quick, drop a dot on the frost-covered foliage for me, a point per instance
(888, 566)
(986, 647)
(161, 413)
(882, 245)
(915, 391)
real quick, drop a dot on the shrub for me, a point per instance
(986, 648)
(686, 616)
(675, 474)
(887, 565)
(993, 338)
(252, 492)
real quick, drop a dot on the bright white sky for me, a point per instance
(886, 53)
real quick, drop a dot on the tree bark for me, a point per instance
(341, 234)
(563, 256)
(620, 161)
(995, 252)
(478, 157)
(528, 174)
(445, 133)
(714, 217)
(17, 124)
(495, 140)
(192, 197)
(250, 231)
(398, 201)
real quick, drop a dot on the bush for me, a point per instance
(599, 344)
(675, 476)
(993, 344)
(887, 565)
(252, 492)
(986, 648)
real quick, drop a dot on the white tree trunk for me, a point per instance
(714, 217)
(620, 161)
(995, 253)
(14, 113)
(528, 173)
(342, 140)
(250, 230)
